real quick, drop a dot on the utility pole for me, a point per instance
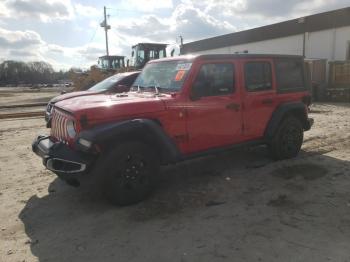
(181, 43)
(106, 27)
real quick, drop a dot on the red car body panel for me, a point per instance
(193, 125)
(73, 94)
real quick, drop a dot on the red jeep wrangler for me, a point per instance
(178, 108)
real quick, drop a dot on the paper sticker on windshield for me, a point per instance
(184, 66)
(180, 74)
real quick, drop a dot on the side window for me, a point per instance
(214, 80)
(257, 76)
(289, 74)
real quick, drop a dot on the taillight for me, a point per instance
(306, 100)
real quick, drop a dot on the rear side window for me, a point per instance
(258, 76)
(289, 74)
(214, 80)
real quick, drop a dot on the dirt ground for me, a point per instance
(8, 96)
(236, 206)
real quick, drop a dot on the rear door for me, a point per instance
(259, 92)
(214, 111)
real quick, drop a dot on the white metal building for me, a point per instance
(320, 36)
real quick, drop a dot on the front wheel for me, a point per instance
(287, 141)
(130, 173)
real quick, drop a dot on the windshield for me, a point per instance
(166, 76)
(107, 83)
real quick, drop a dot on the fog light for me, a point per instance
(85, 142)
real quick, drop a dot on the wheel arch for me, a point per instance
(298, 110)
(147, 131)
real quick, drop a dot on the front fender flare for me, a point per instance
(146, 130)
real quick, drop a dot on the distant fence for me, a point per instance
(339, 81)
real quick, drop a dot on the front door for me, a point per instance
(214, 116)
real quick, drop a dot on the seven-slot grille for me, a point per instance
(59, 125)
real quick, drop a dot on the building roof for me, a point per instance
(312, 23)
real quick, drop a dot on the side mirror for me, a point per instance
(121, 88)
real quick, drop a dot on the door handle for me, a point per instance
(233, 106)
(267, 101)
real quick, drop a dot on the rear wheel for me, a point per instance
(287, 141)
(130, 173)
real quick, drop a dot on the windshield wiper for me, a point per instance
(138, 88)
(157, 88)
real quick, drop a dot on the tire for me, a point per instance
(287, 141)
(129, 173)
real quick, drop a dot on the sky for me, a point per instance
(67, 33)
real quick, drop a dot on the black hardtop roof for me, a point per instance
(232, 56)
(224, 56)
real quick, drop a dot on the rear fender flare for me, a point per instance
(295, 109)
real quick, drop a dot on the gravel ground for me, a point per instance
(236, 206)
(15, 96)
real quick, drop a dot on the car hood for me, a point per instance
(113, 106)
(73, 94)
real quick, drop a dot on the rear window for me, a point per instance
(289, 74)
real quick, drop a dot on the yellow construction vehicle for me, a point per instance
(109, 65)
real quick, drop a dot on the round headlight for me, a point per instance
(71, 128)
(49, 108)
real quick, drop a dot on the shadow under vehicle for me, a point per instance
(238, 204)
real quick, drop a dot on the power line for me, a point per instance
(93, 36)
(88, 45)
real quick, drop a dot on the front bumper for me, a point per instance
(68, 164)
